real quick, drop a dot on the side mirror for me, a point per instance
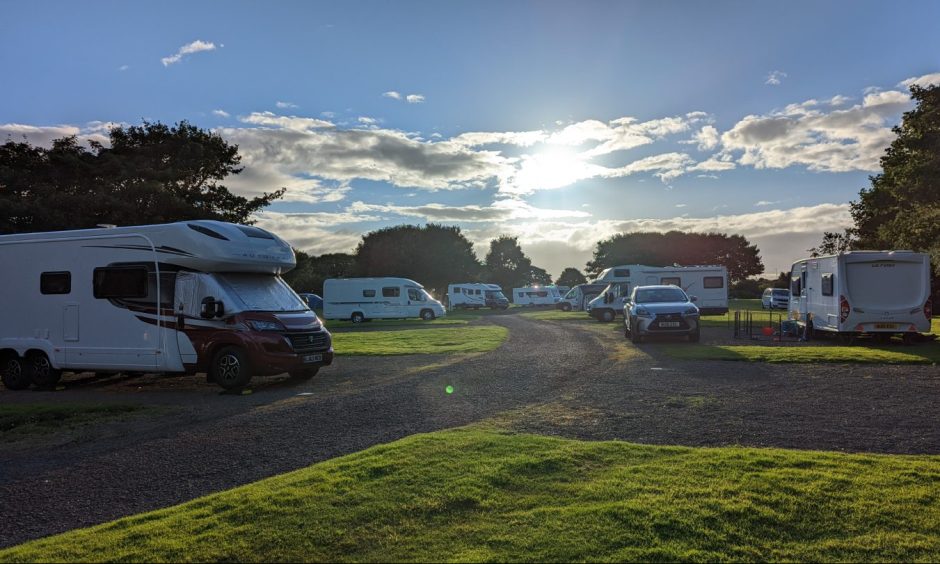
(219, 309)
(693, 299)
(207, 311)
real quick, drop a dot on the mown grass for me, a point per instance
(935, 325)
(919, 354)
(558, 315)
(476, 495)
(18, 421)
(420, 341)
(413, 322)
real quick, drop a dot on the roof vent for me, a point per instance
(106, 225)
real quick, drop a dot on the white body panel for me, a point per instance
(470, 295)
(577, 298)
(709, 284)
(536, 295)
(376, 298)
(885, 291)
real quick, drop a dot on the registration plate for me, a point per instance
(668, 323)
(886, 326)
(313, 357)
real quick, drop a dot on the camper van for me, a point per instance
(577, 298)
(474, 295)
(362, 299)
(709, 284)
(877, 292)
(194, 296)
(536, 295)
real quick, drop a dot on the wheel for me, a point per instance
(427, 314)
(636, 337)
(566, 307)
(694, 336)
(304, 373)
(607, 315)
(230, 369)
(15, 373)
(357, 317)
(41, 370)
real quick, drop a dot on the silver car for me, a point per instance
(660, 310)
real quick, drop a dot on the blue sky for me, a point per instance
(561, 123)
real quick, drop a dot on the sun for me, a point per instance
(552, 168)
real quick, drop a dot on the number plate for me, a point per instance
(668, 323)
(886, 326)
(313, 357)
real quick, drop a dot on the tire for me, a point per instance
(566, 307)
(427, 314)
(230, 369)
(357, 317)
(607, 315)
(636, 337)
(15, 373)
(304, 373)
(695, 336)
(41, 371)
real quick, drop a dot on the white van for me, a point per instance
(194, 296)
(475, 295)
(536, 295)
(709, 284)
(878, 292)
(359, 299)
(578, 297)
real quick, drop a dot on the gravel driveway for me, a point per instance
(570, 379)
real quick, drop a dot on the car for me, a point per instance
(660, 310)
(775, 298)
(313, 301)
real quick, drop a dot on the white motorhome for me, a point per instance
(536, 295)
(359, 299)
(475, 295)
(709, 284)
(194, 296)
(577, 298)
(877, 292)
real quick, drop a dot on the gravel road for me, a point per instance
(560, 378)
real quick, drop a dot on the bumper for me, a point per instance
(662, 326)
(274, 353)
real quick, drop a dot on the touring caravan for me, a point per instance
(877, 292)
(361, 299)
(578, 297)
(536, 295)
(709, 284)
(194, 296)
(474, 295)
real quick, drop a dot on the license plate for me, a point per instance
(886, 326)
(313, 357)
(668, 323)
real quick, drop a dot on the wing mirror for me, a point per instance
(693, 299)
(211, 307)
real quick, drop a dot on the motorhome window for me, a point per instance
(542, 294)
(259, 292)
(415, 295)
(476, 292)
(674, 280)
(255, 233)
(392, 292)
(713, 282)
(207, 231)
(621, 273)
(55, 282)
(368, 293)
(521, 294)
(827, 289)
(167, 290)
(120, 282)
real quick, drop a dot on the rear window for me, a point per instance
(886, 284)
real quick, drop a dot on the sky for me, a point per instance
(560, 123)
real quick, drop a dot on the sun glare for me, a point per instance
(551, 169)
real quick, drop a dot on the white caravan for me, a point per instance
(194, 296)
(878, 292)
(475, 295)
(359, 299)
(709, 284)
(536, 295)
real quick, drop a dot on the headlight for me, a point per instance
(642, 312)
(259, 325)
(691, 311)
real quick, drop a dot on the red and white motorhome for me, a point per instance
(188, 297)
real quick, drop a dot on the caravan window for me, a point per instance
(795, 286)
(55, 282)
(391, 292)
(415, 295)
(621, 273)
(521, 294)
(712, 282)
(368, 293)
(674, 280)
(120, 282)
(827, 285)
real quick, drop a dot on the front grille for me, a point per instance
(309, 342)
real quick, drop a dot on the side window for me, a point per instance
(713, 282)
(391, 292)
(477, 292)
(55, 282)
(120, 282)
(675, 280)
(795, 286)
(621, 273)
(827, 284)
(521, 294)
(543, 294)
(413, 295)
(368, 293)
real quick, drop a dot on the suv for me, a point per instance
(660, 310)
(775, 298)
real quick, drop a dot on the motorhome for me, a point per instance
(709, 284)
(475, 295)
(178, 298)
(362, 299)
(877, 292)
(536, 295)
(577, 298)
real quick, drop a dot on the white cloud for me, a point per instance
(221, 113)
(922, 81)
(315, 233)
(287, 122)
(414, 98)
(365, 120)
(188, 49)
(775, 78)
(285, 105)
(681, 205)
(481, 138)
(764, 203)
(706, 138)
(392, 94)
(500, 210)
(839, 100)
(43, 136)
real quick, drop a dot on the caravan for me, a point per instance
(194, 296)
(361, 299)
(536, 295)
(474, 295)
(877, 292)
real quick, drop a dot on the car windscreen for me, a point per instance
(781, 293)
(261, 292)
(495, 294)
(659, 295)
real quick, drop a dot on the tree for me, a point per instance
(506, 264)
(675, 247)
(152, 173)
(834, 243)
(570, 277)
(539, 276)
(434, 255)
(310, 272)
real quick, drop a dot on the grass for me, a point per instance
(920, 354)
(477, 495)
(935, 325)
(421, 341)
(558, 315)
(415, 322)
(18, 421)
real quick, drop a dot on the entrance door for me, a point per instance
(186, 307)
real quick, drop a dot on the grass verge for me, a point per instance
(475, 495)
(18, 421)
(421, 341)
(920, 354)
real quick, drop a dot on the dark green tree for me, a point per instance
(570, 277)
(834, 243)
(311, 271)
(506, 264)
(539, 276)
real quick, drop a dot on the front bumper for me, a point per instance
(275, 353)
(663, 324)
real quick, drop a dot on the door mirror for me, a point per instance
(693, 299)
(211, 307)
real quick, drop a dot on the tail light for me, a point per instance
(844, 309)
(928, 309)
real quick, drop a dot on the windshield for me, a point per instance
(782, 293)
(261, 292)
(495, 294)
(659, 295)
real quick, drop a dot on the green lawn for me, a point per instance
(760, 316)
(420, 341)
(414, 322)
(935, 325)
(558, 315)
(475, 495)
(18, 421)
(919, 354)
